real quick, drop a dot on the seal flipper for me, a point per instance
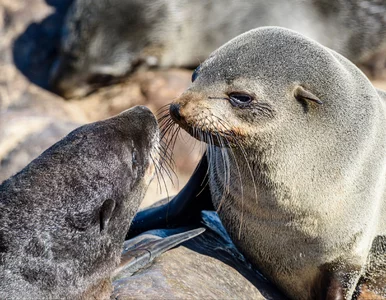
(140, 251)
(183, 210)
(334, 281)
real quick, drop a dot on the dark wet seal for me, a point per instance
(65, 215)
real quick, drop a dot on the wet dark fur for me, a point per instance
(63, 218)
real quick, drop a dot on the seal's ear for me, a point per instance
(105, 213)
(302, 94)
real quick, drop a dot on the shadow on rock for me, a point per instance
(35, 50)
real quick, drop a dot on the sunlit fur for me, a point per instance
(298, 184)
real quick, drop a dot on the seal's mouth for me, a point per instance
(222, 139)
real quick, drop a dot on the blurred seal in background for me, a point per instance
(104, 41)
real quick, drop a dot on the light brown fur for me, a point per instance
(299, 173)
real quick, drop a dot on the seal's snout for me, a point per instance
(144, 116)
(139, 112)
(137, 120)
(175, 112)
(142, 109)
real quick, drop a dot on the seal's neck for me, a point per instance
(254, 181)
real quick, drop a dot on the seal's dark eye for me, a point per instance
(240, 100)
(134, 158)
(195, 74)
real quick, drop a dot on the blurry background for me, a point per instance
(33, 118)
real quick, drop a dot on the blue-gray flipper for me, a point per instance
(140, 251)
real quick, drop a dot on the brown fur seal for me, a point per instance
(297, 160)
(104, 40)
(64, 217)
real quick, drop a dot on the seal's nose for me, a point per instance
(175, 111)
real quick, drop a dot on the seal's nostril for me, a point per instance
(175, 111)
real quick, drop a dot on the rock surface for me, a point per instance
(206, 267)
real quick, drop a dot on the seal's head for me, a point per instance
(103, 41)
(64, 216)
(273, 83)
(298, 134)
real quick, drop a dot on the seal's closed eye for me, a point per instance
(105, 214)
(134, 158)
